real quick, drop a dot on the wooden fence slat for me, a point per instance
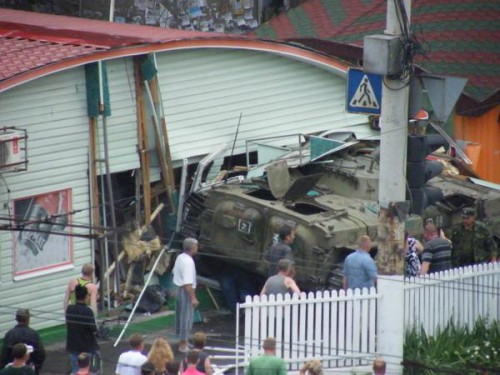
(327, 325)
(279, 327)
(273, 322)
(334, 343)
(318, 327)
(255, 328)
(303, 328)
(247, 342)
(364, 325)
(342, 330)
(372, 325)
(263, 321)
(356, 324)
(447, 302)
(457, 302)
(467, 302)
(286, 330)
(295, 332)
(310, 327)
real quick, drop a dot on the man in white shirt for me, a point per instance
(184, 273)
(129, 363)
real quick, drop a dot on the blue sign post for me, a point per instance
(364, 92)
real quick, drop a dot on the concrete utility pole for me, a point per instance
(393, 144)
(111, 10)
(392, 197)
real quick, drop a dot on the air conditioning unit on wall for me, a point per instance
(12, 150)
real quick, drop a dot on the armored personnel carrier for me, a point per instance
(331, 200)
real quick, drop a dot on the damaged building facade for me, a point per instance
(93, 112)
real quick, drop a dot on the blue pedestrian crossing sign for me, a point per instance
(364, 92)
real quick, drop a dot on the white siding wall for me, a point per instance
(204, 91)
(121, 125)
(53, 111)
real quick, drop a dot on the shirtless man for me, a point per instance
(84, 280)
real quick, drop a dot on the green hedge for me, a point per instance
(454, 350)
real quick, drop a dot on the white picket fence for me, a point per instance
(346, 329)
(461, 296)
(337, 327)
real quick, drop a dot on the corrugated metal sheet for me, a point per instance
(204, 92)
(487, 184)
(484, 130)
(121, 125)
(53, 110)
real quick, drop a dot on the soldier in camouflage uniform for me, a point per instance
(472, 242)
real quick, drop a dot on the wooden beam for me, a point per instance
(168, 156)
(142, 135)
(95, 212)
(163, 165)
(162, 143)
(94, 187)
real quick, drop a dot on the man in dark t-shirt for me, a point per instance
(281, 249)
(81, 328)
(437, 251)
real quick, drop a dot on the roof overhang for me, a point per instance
(282, 49)
(44, 44)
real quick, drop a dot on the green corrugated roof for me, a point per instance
(335, 11)
(461, 37)
(301, 23)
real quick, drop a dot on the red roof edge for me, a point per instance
(303, 54)
(349, 52)
(72, 30)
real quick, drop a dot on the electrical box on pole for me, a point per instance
(382, 54)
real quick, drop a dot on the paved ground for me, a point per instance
(219, 326)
